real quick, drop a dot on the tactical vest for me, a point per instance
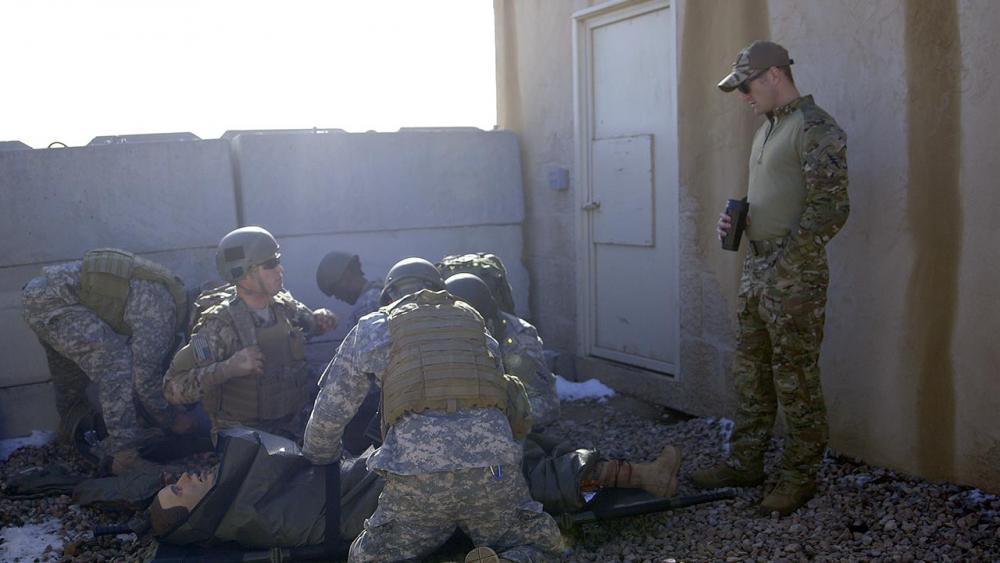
(438, 359)
(104, 285)
(488, 268)
(277, 393)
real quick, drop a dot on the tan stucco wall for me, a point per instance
(910, 364)
(535, 99)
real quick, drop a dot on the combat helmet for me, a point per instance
(242, 249)
(474, 291)
(412, 268)
(332, 269)
(487, 267)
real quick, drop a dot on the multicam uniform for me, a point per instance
(114, 317)
(273, 401)
(521, 349)
(442, 469)
(798, 201)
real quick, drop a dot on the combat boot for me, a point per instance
(722, 475)
(658, 477)
(786, 497)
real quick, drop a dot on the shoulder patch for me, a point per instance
(202, 352)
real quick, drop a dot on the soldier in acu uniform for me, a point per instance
(798, 202)
(520, 347)
(487, 267)
(339, 275)
(449, 420)
(112, 318)
(246, 358)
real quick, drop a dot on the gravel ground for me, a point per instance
(860, 513)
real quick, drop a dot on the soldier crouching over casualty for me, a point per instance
(339, 275)
(520, 347)
(449, 458)
(112, 318)
(246, 358)
(551, 466)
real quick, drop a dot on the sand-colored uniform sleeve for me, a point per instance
(198, 365)
(823, 154)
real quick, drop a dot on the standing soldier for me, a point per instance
(798, 202)
(112, 318)
(246, 358)
(449, 419)
(339, 275)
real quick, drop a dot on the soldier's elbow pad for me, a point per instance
(184, 360)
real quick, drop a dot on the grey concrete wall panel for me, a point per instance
(56, 204)
(380, 250)
(25, 361)
(13, 146)
(345, 182)
(233, 133)
(142, 138)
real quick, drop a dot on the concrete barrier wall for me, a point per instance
(383, 196)
(165, 201)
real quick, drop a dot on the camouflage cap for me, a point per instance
(756, 57)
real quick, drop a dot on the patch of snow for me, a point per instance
(36, 439)
(590, 389)
(859, 479)
(726, 431)
(28, 543)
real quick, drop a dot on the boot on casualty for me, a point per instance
(657, 477)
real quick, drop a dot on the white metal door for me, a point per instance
(627, 163)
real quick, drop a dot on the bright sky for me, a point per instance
(77, 69)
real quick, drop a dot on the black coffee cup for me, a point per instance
(737, 211)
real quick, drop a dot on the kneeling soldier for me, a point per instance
(449, 419)
(246, 358)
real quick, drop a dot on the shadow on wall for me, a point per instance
(933, 68)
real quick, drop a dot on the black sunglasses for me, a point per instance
(270, 264)
(744, 86)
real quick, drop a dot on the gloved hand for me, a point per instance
(248, 361)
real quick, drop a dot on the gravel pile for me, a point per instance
(860, 513)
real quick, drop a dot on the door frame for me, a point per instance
(584, 21)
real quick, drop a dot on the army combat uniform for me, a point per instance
(272, 401)
(368, 301)
(115, 317)
(521, 349)
(449, 459)
(798, 202)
